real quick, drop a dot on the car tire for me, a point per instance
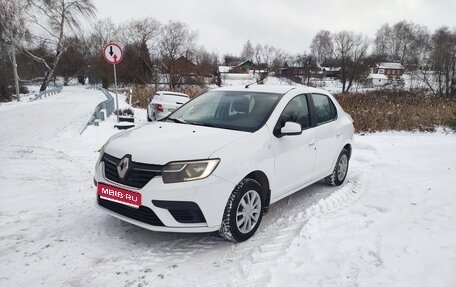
(148, 118)
(235, 224)
(340, 170)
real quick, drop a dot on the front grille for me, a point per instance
(143, 213)
(138, 176)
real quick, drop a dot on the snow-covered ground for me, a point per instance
(393, 223)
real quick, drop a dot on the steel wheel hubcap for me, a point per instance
(248, 211)
(342, 167)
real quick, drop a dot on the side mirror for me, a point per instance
(291, 129)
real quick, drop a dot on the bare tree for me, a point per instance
(248, 51)
(55, 19)
(307, 62)
(403, 42)
(140, 38)
(176, 40)
(11, 28)
(257, 53)
(270, 58)
(322, 46)
(440, 70)
(382, 42)
(349, 51)
(104, 31)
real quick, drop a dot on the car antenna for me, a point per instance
(248, 85)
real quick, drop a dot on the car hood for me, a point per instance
(162, 142)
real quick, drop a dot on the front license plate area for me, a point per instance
(119, 195)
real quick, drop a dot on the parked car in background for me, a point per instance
(163, 103)
(221, 160)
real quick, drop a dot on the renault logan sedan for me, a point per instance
(218, 162)
(163, 103)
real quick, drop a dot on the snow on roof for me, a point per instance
(386, 65)
(377, 76)
(224, 69)
(331, 69)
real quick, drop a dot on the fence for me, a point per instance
(48, 92)
(102, 110)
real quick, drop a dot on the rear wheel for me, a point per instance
(243, 211)
(340, 170)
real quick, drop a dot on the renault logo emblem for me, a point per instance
(123, 166)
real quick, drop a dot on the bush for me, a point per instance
(397, 110)
(452, 122)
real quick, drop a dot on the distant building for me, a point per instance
(184, 66)
(243, 67)
(390, 70)
(377, 80)
(332, 72)
(240, 68)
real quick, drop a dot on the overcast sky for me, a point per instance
(224, 26)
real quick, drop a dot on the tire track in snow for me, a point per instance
(287, 228)
(290, 228)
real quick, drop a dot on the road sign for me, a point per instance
(113, 53)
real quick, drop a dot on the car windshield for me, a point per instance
(237, 110)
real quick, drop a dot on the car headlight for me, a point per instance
(188, 170)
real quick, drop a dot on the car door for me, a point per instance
(327, 133)
(294, 155)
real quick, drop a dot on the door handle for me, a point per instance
(339, 133)
(312, 142)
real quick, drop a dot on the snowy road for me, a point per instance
(392, 224)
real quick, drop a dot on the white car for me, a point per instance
(221, 160)
(163, 103)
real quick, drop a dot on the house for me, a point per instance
(377, 80)
(240, 68)
(388, 69)
(332, 72)
(243, 67)
(184, 66)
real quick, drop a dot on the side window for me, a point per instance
(296, 111)
(324, 108)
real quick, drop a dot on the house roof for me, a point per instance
(377, 76)
(388, 65)
(331, 69)
(247, 63)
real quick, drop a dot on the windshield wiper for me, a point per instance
(176, 120)
(203, 124)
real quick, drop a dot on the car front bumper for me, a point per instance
(210, 195)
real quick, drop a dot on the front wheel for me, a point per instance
(243, 211)
(340, 170)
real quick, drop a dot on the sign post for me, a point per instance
(113, 55)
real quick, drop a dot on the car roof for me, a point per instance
(277, 89)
